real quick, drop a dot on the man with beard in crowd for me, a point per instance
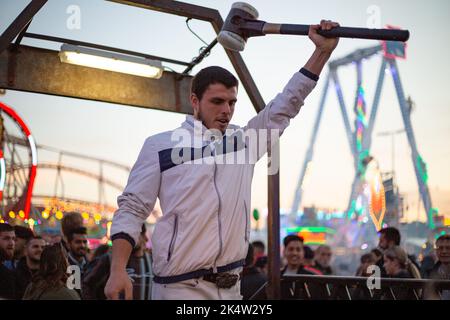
(23, 234)
(322, 259)
(29, 264)
(7, 244)
(78, 245)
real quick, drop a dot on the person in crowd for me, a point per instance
(23, 234)
(322, 259)
(28, 265)
(139, 269)
(367, 259)
(390, 237)
(261, 264)
(77, 244)
(396, 264)
(441, 269)
(259, 249)
(70, 221)
(253, 281)
(50, 282)
(427, 264)
(308, 260)
(294, 255)
(7, 276)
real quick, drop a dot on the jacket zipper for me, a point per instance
(246, 221)
(174, 237)
(218, 218)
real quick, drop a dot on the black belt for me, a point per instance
(198, 273)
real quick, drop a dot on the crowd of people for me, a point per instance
(64, 268)
(389, 258)
(32, 268)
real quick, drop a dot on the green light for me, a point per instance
(422, 167)
(315, 243)
(352, 209)
(311, 229)
(358, 145)
(430, 219)
(256, 214)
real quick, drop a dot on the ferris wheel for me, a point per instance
(18, 164)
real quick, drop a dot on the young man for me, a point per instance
(389, 237)
(78, 245)
(23, 234)
(200, 243)
(294, 253)
(70, 221)
(7, 278)
(29, 264)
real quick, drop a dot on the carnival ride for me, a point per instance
(42, 210)
(367, 190)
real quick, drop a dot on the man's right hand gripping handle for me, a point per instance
(119, 281)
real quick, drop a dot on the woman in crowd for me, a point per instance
(50, 281)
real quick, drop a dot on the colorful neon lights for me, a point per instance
(377, 201)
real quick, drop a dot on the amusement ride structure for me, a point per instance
(367, 190)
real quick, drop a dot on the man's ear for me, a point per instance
(195, 104)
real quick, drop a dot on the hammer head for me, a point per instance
(231, 36)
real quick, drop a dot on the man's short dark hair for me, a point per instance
(290, 238)
(259, 244)
(4, 227)
(212, 75)
(391, 234)
(34, 238)
(23, 232)
(79, 230)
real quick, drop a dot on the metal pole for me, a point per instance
(421, 181)
(273, 221)
(22, 20)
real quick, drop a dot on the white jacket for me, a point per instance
(206, 207)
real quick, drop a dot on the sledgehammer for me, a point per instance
(241, 23)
